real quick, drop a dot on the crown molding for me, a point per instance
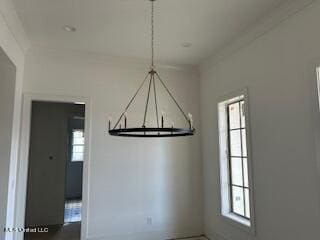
(11, 19)
(106, 59)
(263, 26)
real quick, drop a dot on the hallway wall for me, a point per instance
(13, 42)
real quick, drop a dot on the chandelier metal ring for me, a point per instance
(151, 132)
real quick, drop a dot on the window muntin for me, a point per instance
(77, 151)
(238, 160)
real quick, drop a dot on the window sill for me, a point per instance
(239, 219)
(240, 222)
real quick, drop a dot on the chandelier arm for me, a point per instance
(155, 100)
(180, 108)
(147, 103)
(129, 104)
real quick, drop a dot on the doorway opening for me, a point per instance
(55, 171)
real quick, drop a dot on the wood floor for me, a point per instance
(69, 231)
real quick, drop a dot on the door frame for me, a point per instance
(312, 74)
(21, 194)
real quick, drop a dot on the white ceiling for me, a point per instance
(121, 28)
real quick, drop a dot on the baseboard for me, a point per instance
(153, 235)
(214, 236)
(200, 237)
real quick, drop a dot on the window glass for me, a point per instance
(244, 142)
(243, 118)
(238, 200)
(235, 143)
(77, 153)
(234, 118)
(236, 171)
(247, 201)
(245, 173)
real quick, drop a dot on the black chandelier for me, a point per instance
(160, 130)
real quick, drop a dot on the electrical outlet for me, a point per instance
(149, 220)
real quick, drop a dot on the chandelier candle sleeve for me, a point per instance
(190, 120)
(109, 123)
(125, 119)
(162, 118)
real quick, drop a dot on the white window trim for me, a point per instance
(227, 215)
(315, 101)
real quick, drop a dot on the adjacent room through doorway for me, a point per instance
(56, 155)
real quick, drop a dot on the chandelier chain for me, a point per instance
(152, 34)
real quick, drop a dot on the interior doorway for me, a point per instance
(55, 171)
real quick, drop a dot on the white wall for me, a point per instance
(129, 179)
(278, 69)
(13, 42)
(7, 87)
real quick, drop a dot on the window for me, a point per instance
(238, 162)
(236, 190)
(77, 151)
